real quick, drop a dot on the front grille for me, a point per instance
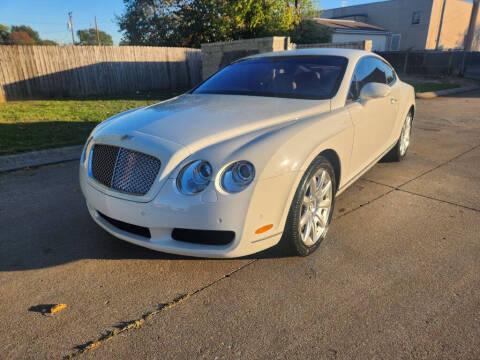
(133, 229)
(124, 170)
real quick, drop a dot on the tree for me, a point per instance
(4, 33)
(150, 22)
(309, 32)
(31, 33)
(17, 36)
(257, 18)
(48, 42)
(193, 22)
(89, 37)
(203, 21)
(20, 38)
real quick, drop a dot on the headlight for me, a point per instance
(194, 177)
(238, 176)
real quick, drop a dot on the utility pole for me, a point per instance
(70, 25)
(471, 26)
(98, 34)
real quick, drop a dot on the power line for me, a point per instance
(24, 22)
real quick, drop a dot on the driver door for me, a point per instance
(373, 119)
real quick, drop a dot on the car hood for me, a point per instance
(196, 121)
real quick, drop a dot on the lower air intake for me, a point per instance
(130, 228)
(206, 237)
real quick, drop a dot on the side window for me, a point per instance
(368, 69)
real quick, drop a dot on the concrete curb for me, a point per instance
(42, 157)
(434, 94)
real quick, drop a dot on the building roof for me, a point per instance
(336, 24)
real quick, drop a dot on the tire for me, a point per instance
(398, 152)
(316, 213)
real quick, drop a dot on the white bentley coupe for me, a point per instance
(252, 157)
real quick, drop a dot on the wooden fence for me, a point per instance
(52, 71)
(434, 63)
(359, 45)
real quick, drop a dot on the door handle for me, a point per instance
(393, 100)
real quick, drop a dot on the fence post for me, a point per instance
(368, 45)
(462, 68)
(405, 63)
(450, 60)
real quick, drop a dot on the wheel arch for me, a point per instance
(332, 156)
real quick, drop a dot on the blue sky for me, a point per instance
(50, 17)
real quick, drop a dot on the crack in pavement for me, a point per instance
(439, 200)
(426, 172)
(136, 323)
(393, 188)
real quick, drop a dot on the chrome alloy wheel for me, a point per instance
(405, 135)
(316, 206)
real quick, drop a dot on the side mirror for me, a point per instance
(374, 91)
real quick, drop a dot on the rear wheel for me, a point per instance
(399, 151)
(311, 210)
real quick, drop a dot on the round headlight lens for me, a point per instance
(238, 176)
(194, 177)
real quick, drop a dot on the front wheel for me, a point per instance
(311, 210)
(400, 149)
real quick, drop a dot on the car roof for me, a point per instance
(351, 54)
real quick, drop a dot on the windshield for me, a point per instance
(303, 77)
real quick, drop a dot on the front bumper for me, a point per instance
(241, 213)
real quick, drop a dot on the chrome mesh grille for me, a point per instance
(103, 163)
(124, 170)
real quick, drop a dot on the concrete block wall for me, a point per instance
(220, 54)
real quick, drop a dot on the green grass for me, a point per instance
(430, 86)
(42, 124)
